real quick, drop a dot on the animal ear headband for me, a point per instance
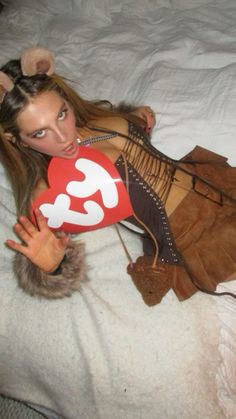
(6, 85)
(34, 61)
(37, 60)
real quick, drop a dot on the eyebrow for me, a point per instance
(31, 134)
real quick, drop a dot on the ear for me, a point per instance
(37, 60)
(9, 137)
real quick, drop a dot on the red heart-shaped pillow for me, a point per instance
(85, 193)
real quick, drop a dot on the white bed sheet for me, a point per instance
(103, 353)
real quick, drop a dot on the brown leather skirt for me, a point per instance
(204, 228)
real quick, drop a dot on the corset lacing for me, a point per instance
(157, 173)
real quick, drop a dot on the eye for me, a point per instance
(62, 114)
(39, 134)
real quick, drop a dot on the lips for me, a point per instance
(71, 148)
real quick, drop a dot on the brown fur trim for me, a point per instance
(36, 282)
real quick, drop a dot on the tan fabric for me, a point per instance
(205, 232)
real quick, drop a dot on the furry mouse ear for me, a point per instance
(6, 85)
(37, 60)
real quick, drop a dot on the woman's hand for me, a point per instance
(147, 114)
(40, 244)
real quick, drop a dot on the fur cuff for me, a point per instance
(36, 282)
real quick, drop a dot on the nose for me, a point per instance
(60, 135)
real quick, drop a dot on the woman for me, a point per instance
(180, 206)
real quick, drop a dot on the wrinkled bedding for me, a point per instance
(102, 353)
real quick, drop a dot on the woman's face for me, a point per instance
(48, 125)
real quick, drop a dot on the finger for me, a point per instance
(22, 233)
(16, 246)
(41, 220)
(151, 119)
(149, 123)
(28, 226)
(64, 241)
